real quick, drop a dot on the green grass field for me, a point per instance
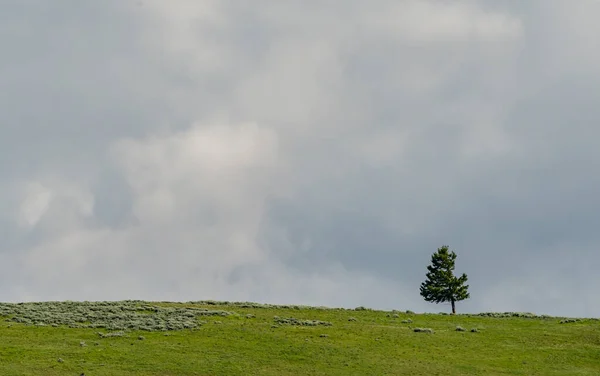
(211, 338)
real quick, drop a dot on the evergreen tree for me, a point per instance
(441, 284)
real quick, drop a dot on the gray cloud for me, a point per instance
(300, 153)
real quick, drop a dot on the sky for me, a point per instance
(295, 152)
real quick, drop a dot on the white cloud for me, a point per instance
(443, 21)
(34, 205)
(295, 85)
(223, 166)
(66, 199)
(384, 147)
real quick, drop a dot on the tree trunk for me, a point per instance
(453, 307)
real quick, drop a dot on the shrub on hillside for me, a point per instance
(423, 330)
(298, 322)
(109, 335)
(259, 305)
(527, 315)
(568, 321)
(125, 315)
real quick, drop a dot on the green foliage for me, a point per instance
(441, 285)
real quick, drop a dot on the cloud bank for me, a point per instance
(300, 153)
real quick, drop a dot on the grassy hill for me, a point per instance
(221, 338)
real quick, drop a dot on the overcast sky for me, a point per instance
(301, 152)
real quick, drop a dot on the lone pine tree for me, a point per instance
(441, 284)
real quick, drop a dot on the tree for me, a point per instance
(441, 284)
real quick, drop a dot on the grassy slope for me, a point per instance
(374, 344)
